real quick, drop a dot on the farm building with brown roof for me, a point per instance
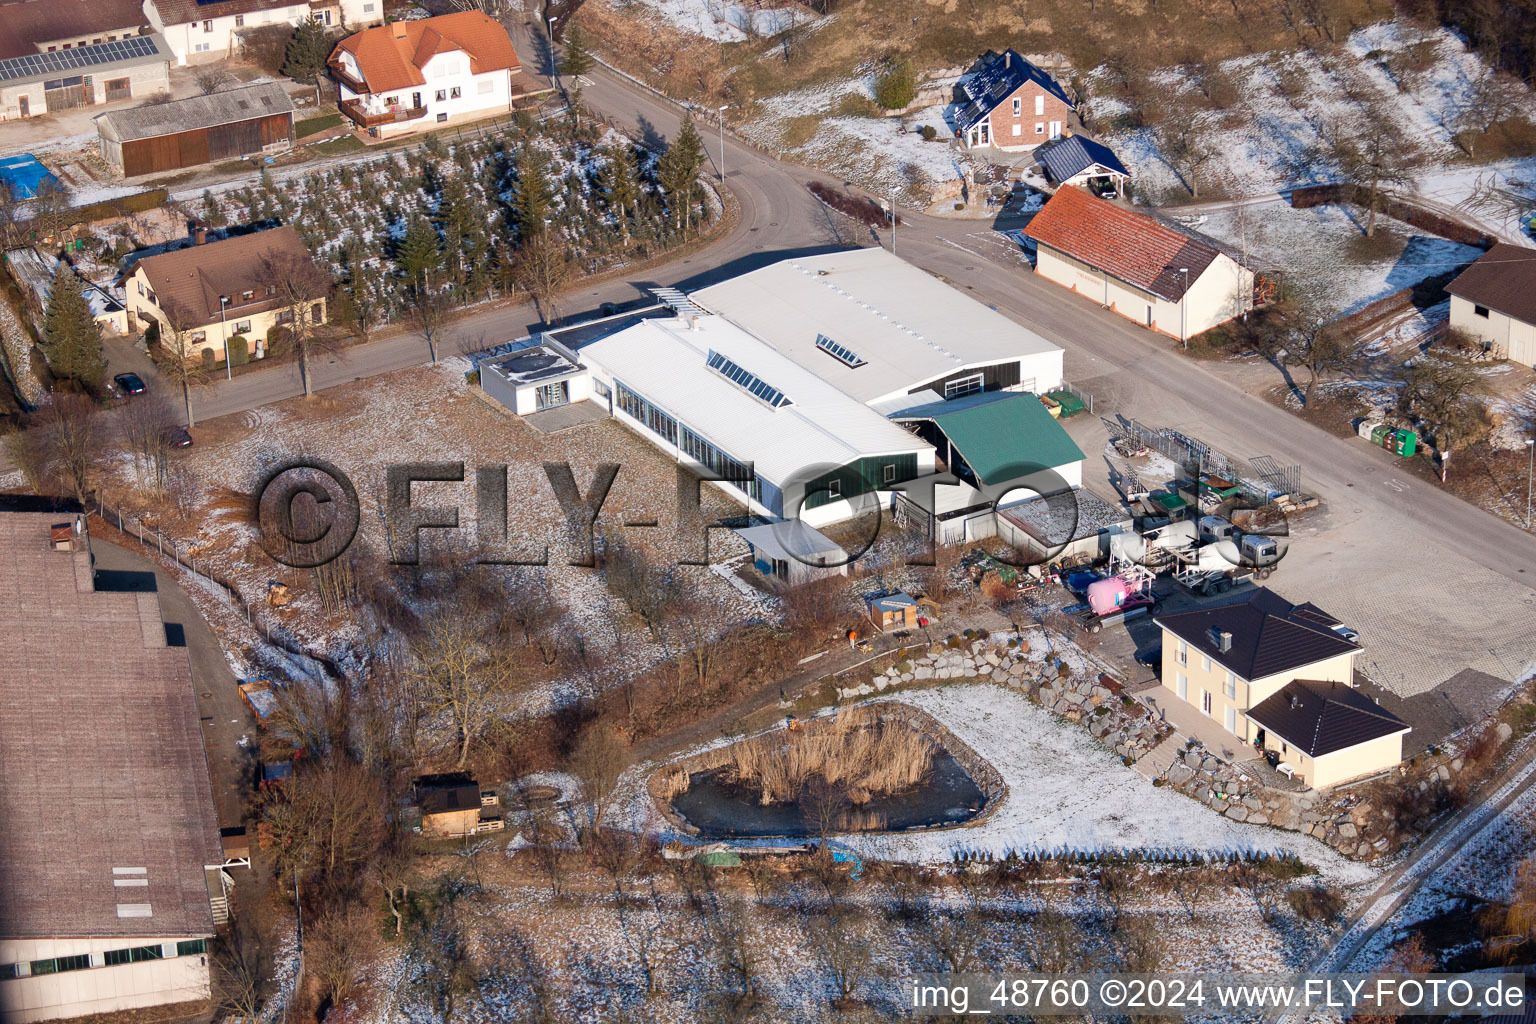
(1494, 300)
(1138, 266)
(112, 865)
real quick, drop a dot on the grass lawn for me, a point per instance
(336, 147)
(310, 126)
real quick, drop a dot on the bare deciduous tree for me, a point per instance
(237, 969)
(300, 287)
(428, 315)
(63, 450)
(143, 427)
(177, 360)
(464, 676)
(211, 80)
(542, 268)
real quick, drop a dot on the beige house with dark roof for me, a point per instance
(1495, 301)
(112, 868)
(1281, 676)
(219, 287)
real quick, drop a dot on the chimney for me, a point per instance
(1295, 701)
(397, 29)
(1221, 639)
(61, 537)
(1008, 59)
(199, 232)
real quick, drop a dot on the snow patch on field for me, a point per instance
(1325, 248)
(1274, 134)
(724, 22)
(1066, 792)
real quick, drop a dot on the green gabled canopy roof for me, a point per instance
(999, 432)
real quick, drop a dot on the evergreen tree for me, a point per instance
(620, 184)
(531, 206)
(308, 50)
(577, 59)
(678, 168)
(418, 252)
(71, 336)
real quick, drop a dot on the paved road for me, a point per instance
(1434, 584)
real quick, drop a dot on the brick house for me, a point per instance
(1009, 104)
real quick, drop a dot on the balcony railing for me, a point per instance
(354, 110)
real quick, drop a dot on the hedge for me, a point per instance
(1399, 209)
(239, 350)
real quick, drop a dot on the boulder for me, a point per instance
(1348, 831)
(1236, 812)
(1192, 758)
(1444, 773)
(1505, 731)
(1179, 774)
(923, 672)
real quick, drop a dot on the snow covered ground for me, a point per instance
(1324, 247)
(1065, 793)
(727, 22)
(872, 152)
(1287, 102)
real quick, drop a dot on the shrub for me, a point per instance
(865, 211)
(928, 132)
(959, 206)
(239, 350)
(1159, 783)
(897, 85)
(123, 206)
(797, 131)
(955, 643)
(1315, 903)
(208, 359)
(856, 104)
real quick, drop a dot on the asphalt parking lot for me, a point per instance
(1433, 623)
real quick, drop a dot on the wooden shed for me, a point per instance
(255, 120)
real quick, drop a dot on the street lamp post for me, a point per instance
(1183, 326)
(893, 223)
(1529, 473)
(549, 30)
(722, 111)
(229, 373)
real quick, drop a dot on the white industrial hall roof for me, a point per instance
(665, 362)
(902, 325)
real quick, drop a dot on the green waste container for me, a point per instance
(1070, 404)
(1407, 443)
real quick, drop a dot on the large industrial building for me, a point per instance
(830, 377)
(112, 869)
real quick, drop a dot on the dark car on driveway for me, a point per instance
(178, 437)
(129, 383)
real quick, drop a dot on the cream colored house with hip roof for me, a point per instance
(218, 284)
(1238, 663)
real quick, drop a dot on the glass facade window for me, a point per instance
(658, 421)
(191, 947)
(721, 464)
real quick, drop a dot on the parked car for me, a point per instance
(129, 383)
(178, 437)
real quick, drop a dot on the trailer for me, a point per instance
(1207, 582)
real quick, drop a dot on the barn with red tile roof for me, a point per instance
(1139, 266)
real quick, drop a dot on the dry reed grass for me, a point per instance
(856, 751)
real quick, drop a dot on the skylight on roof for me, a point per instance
(843, 355)
(747, 381)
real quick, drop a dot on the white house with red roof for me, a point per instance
(1138, 266)
(409, 76)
